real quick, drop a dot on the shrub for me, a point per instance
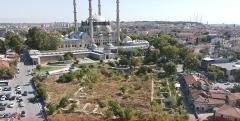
(73, 106)
(64, 102)
(38, 67)
(129, 113)
(65, 78)
(51, 108)
(68, 56)
(124, 89)
(41, 91)
(109, 113)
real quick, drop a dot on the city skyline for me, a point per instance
(33, 11)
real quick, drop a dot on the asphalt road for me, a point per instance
(33, 111)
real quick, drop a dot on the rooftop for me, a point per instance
(229, 66)
(4, 64)
(229, 111)
(208, 101)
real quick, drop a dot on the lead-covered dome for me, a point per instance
(97, 18)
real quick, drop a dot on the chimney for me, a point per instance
(118, 22)
(90, 19)
(99, 8)
(75, 16)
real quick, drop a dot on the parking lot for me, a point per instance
(16, 102)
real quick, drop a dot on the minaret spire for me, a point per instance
(75, 16)
(118, 22)
(90, 19)
(99, 8)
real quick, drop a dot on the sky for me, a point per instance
(43, 11)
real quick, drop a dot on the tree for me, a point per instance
(13, 41)
(170, 52)
(215, 71)
(41, 40)
(170, 68)
(124, 61)
(134, 62)
(237, 75)
(191, 62)
(54, 41)
(37, 39)
(68, 56)
(2, 46)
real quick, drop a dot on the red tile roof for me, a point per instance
(218, 96)
(229, 111)
(208, 101)
(191, 79)
(234, 96)
(4, 64)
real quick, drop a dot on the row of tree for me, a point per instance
(37, 38)
(41, 40)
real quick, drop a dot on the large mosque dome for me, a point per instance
(97, 18)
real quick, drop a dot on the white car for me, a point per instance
(11, 105)
(18, 89)
(1, 89)
(3, 98)
(21, 104)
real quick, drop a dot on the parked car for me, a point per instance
(21, 104)
(11, 105)
(12, 98)
(227, 83)
(24, 93)
(3, 98)
(18, 92)
(19, 98)
(18, 89)
(23, 113)
(7, 89)
(2, 115)
(7, 115)
(2, 108)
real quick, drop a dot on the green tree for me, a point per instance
(54, 40)
(13, 41)
(68, 56)
(134, 62)
(237, 75)
(2, 46)
(191, 62)
(41, 40)
(170, 52)
(170, 68)
(37, 39)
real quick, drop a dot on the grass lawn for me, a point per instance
(45, 68)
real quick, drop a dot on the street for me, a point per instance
(33, 111)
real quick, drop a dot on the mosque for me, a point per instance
(94, 38)
(95, 32)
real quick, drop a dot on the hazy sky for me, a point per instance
(212, 11)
